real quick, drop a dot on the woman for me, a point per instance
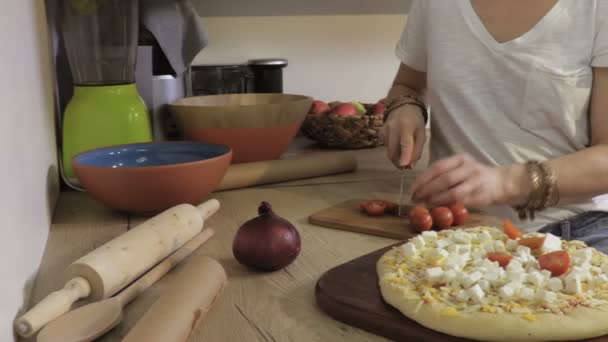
(519, 96)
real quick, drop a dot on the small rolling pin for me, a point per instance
(183, 305)
(282, 170)
(109, 268)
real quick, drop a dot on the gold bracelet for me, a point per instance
(406, 100)
(544, 191)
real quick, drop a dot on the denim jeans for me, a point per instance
(590, 227)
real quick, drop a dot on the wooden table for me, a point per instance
(273, 307)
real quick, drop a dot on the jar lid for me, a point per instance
(273, 62)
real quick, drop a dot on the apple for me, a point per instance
(345, 109)
(360, 108)
(334, 104)
(377, 109)
(319, 108)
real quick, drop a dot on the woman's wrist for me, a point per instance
(516, 184)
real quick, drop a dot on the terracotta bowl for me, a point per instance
(256, 126)
(148, 178)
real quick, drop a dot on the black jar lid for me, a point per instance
(268, 62)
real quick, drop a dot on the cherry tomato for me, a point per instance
(442, 217)
(535, 242)
(421, 221)
(461, 214)
(391, 207)
(557, 262)
(418, 210)
(374, 208)
(503, 259)
(511, 230)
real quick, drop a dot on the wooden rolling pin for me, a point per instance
(183, 305)
(109, 268)
(275, 171)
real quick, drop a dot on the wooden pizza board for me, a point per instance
(349, 293)
(347, 216)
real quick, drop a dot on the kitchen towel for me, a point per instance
(178, 29)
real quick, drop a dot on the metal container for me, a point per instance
(268, 74)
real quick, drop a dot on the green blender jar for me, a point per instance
(101, 42)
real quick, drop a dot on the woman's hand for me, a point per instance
(463, 179)
(405, 135)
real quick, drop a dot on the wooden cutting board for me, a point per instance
(349, 293)
(347, 216)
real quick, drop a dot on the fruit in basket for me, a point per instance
(319, 108)
(360, 108)
(334, 104)
(377, 109)
(345, 109)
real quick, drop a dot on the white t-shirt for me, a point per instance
(510, 102)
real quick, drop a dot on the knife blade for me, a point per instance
(401, 204)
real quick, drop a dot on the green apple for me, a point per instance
(360, 108)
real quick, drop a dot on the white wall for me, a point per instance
(330, 57)
(28, 176)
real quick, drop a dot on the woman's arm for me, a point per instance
(404, 131)
(580, 175)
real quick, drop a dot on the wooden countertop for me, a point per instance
(277, 306)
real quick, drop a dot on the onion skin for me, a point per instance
(267, 242)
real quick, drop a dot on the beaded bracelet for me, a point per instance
(404, 100)
(544, 191)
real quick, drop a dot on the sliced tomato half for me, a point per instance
(503, 259)
(511, 230)
(557, 262)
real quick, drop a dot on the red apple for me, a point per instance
(319, 108)
(377, 109)
(345, 109)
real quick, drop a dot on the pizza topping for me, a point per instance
(551, 243)
(556, 262)
(532, 242)
(555, 284)
(477, 294)
(462, 270)
(511, 230)
(503, 259)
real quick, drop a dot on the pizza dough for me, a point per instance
(438, 284)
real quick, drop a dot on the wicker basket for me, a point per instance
(354, 132)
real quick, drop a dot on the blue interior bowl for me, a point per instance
(150, 154)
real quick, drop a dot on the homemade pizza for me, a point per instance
(489, 284)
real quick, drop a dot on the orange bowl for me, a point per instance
(148, 178)
(256, 126)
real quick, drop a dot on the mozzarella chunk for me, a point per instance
(583, 271)
(523, 250)
(546, 274)
(486, 236)
(546, 296)
(410, 250)
(499, 246)
(526, 293)
(536, 279)
(450, 276)
(477, 294)
(434, 274)
(512, 245)
(485, 285)
(494, 275)
(440, 253)
(443, 243)
(552, 243)
(605, 268)
(461, 237)
(470, 279)
(453, 264)
(507, 292)
(418, 241)
(581, 256)
(429, 235)
(515, 266)
(478, 253)
(518, 277)
(596, 270)
(463, 296)
(555, 284)
(573, 284)
(465, 249)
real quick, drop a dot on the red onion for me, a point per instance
(267, 242)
